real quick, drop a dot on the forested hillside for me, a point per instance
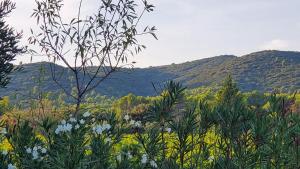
(263, 71)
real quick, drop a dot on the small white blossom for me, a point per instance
(138, 124)
(10, 166)
(168, 130)
(4, 152)
(132, 122)
(82, 121)
(77, 126)
(72, 120)
(144, 159)
(107, 140)
(99, 129)
(153, 164)
(44, 150)
(35, 155)
(93, 119)
(86, 114)
(63, 122)
(126, 117)
(107, 126)
(63, 128)
(129, 155)
(35, 148)
(28, 150)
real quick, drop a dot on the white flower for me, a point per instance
(107, 140)
(44, 150)
(144, 159)
(68, 127)
(132, 122)
(93, 119)
(86, 114)
(63, 128)
(63, 122)
(72, 120)
(126, 117)
(138, 124)
(119, 158)
(81, 121)
(3, 131)
(77, 126)
(168, 130)
(10, 166)
(28, 150)
(107, 126)
(129, 155)
(4, 152)
(99, 129)
(58, 129)
(35, 148)
(39, 147)
(153, 164)
(35, 155)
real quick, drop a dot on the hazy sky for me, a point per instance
(194, 29)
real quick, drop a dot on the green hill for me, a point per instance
(261, 71)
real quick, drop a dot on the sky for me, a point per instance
(194, 29)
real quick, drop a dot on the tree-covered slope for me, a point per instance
(262, 71)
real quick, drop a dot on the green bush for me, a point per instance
(232, 133)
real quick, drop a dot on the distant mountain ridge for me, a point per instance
(262, 71)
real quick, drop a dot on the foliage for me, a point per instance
(235, 130)
(9, 39)
(102, 40)
(257, 71)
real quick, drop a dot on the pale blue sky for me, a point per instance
(195, 29)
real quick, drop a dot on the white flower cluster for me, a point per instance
(36, 151)
(128, 154)
(135, 123)
(107, 140)
(99, 129)
(144, 159)
(132, 122)
(11, 166)
(151, 162)
(63, 127)
(126, 117)
(86, 114)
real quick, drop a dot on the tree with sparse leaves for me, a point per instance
(94, 46)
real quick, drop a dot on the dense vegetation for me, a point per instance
(67, 124)
(262, 71)
(176, 129)
(9, 39)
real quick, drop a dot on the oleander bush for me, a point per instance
(173, 132)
